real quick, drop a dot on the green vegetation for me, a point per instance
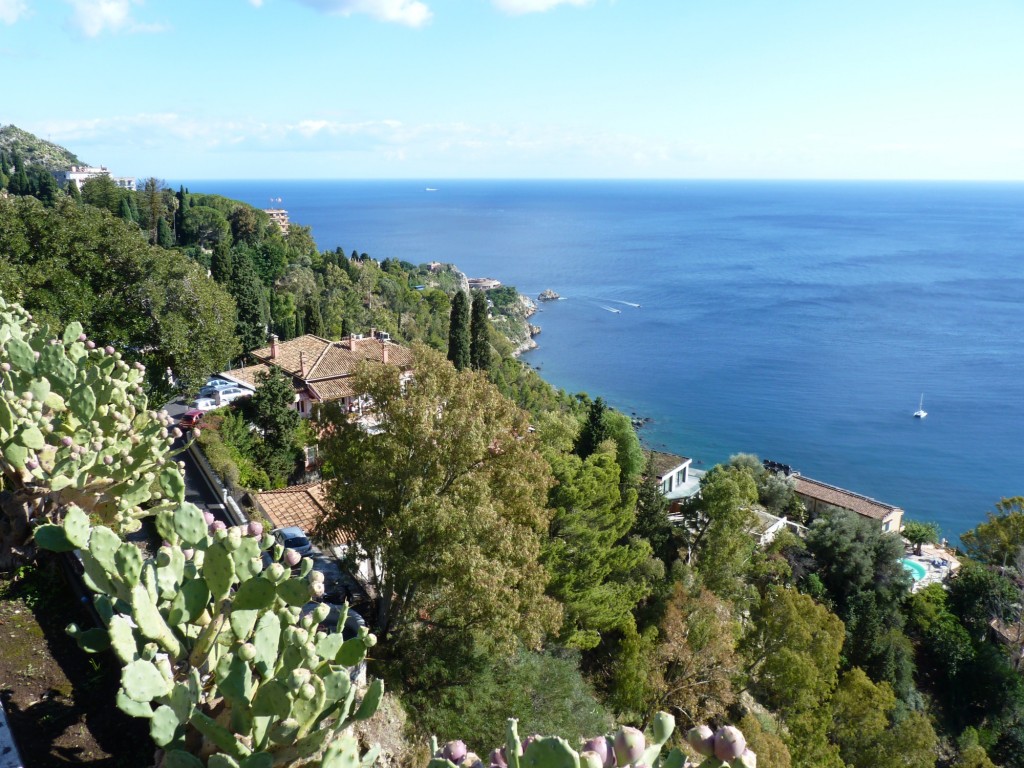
(518, 548)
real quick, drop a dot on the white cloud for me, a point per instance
(517, 7)
(412, 13)
(12, 10)
(94, 17)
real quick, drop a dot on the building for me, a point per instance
(82, 173)
(280, 217)
(817, 495)
(676, 478)
(321, 370)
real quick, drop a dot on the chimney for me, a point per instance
(352, 342)
(384, 352)
(302, 365)
(273, 346)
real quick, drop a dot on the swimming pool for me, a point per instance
(917, 571)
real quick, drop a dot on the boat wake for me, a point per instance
(611, 309)
(627, 303)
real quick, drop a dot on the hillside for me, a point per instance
(36, 151)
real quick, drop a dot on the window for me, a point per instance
(681, 476)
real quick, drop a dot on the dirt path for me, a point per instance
(60, 700)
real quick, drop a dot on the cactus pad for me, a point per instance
(51, 537)
(76, 526)
(143, 682)
(189, 523)
(163, 725)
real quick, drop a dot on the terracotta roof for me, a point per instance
(299, 505)
(837, 497)
(666, 462)
(325, 365)
(247, 375)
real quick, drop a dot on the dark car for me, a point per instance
(190, 419)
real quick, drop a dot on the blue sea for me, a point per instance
(801, 321)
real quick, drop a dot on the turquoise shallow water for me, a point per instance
(799, 321)
(916, 570)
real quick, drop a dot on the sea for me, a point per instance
(799, 321)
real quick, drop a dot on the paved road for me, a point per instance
(197, 489)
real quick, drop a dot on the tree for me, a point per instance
(459, 333)
(444, 500)
(652, 515)
(251, 302)
(102, 192)
(73, 191)
(919, 533)
(594, 431)
(314, 319)
(593, 567)
(220, 264)
(153, 205)
(164, 235)
(278, 421)
(125, 210)
(695, 661)
(792, 650)
(205, 226)
(716, 525)
(998, 540)
(480, 333)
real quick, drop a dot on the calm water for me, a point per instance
(798, 321)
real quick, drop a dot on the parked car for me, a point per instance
(353, 621)
(190, 419)
(230, 394)
(293, 537)
(215, 382)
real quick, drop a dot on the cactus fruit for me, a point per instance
(627, 748)
(729, 743)
(213, 655)
(702, 739)
(454, 751)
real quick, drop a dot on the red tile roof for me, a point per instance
(299, 505)
(837, 497)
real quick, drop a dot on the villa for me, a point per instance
(322, 370)
(677, 480)
(817, 495)
(82, 173)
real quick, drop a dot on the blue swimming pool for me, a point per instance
(917, 571)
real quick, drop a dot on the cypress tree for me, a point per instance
(164, 236)
(73, 191)
(125, 210)
(220, 264)
(458, 332)
(594, 431)
(251, 304)
(5, 168)
(480, 345)
(314, 318)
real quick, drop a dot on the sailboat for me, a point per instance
(920, 413)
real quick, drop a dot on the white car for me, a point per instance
(203, 404)
(213, 386)
(230, 394)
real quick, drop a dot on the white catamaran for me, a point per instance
(920, 413)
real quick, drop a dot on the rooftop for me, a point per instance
(838, 497)
(299, 505)
(666, 462)
(312, 358)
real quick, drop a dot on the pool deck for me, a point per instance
(931, 558)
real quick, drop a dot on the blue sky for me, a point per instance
(522, 88)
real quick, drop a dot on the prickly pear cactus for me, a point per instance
(75, 429)
(216, 652)
(626, 748)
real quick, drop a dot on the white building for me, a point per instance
(82, 173)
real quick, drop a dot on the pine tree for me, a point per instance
(220, 264)
(479, 331)
(73, 191)
(652, 514)
(458, 332)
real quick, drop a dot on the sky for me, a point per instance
(433, 89)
